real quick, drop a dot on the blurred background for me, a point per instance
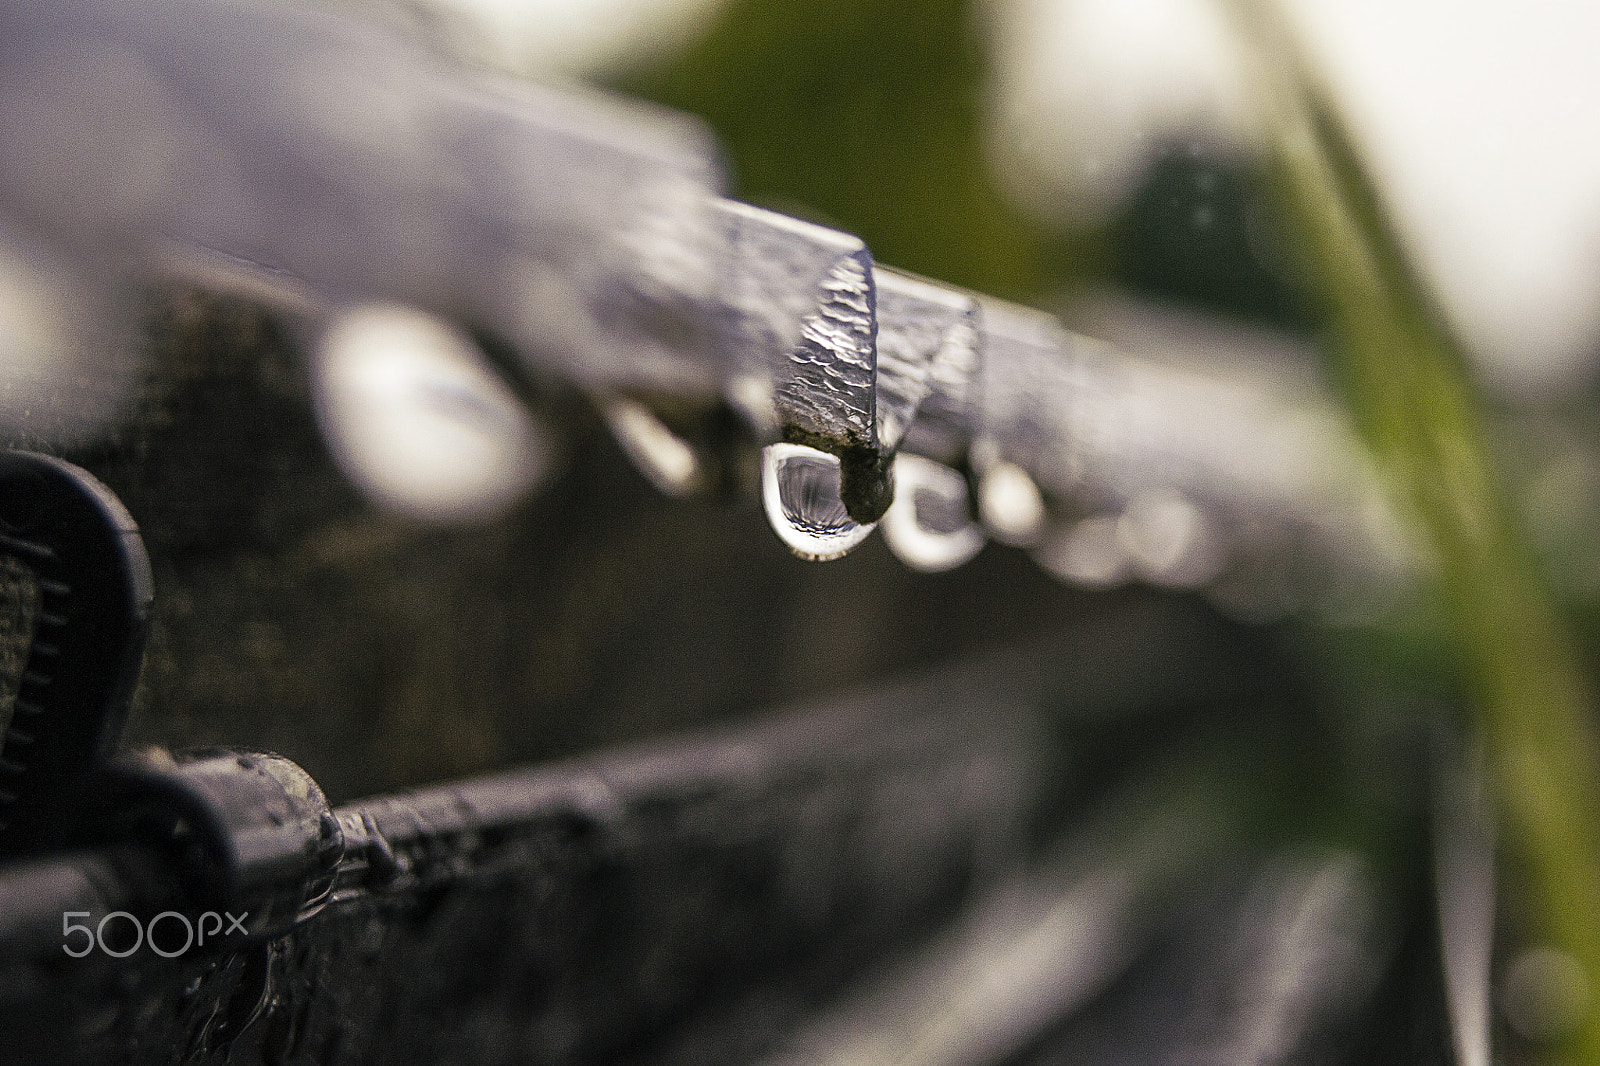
(1100, 161)
(1106, 162)
(1112, 162)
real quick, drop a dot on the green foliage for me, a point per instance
(1408, 386)
(867, 115)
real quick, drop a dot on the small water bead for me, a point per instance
(1010, 505)
(1088, 553)
(800, 490)
(929, 526)
(417, 417)
(664, 459)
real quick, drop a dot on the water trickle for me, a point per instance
(929, 526)
(800, 488)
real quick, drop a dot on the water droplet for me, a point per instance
(800, 488)
(1010, 504)
(415, 415)
(1087, 553)
(656, 452)
(1169, 540)
(929, 526)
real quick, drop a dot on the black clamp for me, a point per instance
(249, 833)
(95, 595)
(252, 833)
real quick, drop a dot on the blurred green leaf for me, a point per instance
(867, 115)
(1409, 388)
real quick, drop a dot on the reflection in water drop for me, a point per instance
(1010, 504)
(800, 488)
(929, 526)
(414, 414)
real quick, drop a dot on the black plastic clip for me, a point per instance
(95, 594)
(248, 832)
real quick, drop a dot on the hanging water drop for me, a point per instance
(929, 526)
(800, 488)
(1169, 540)
(415, 415)
(664, 459)
(1088, 553)
(1010, 504)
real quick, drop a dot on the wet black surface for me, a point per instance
(663, 898)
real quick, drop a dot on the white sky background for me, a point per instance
(577, 37)
(1480, 119)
